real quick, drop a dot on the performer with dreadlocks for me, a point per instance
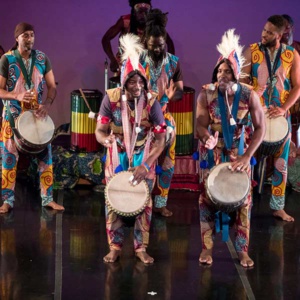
(129, 116)
(225, 131)
(131, 23)
(274, 68)
(164, 74)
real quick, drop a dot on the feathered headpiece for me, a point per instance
(230, 49)
(131, 50)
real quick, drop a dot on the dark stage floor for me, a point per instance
(46, 255)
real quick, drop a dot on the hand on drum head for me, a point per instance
(138, 174)
(241, 164)
(275, 111)
(41, 112)
(212, 141)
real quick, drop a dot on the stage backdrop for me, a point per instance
(70, 33)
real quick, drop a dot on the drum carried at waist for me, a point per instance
(32, 135)
(124, 198)
(183, 114)
(227, 189)
(277, 130)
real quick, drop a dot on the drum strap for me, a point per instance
(27, 75)
(271, 70)
(228, 130)
(225, 224)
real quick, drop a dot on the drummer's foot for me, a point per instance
(112, 256)
(206, 257)
(163, 211)
(245, 260)
(144, 257)
(5, 208)
(283, 215)
(55, 206)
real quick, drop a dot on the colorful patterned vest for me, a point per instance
(116, 122)
(16, 81)
(243, 115)
(159, 77)
(261, 79)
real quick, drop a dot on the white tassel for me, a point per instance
(232, 121)
(211, 87)
(149, 95)
(138, 130)
(169, 129)
(92, 115)
(234, 87)
(124, 98)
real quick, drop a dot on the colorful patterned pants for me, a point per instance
(207, 223)
(167, 162)
(279, 177)
(10, 157)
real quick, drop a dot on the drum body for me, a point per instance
(228, 190)
(82, 127)
(183, 114)
(276, 132)
(32, 135)
(114, 82)
(125, 199)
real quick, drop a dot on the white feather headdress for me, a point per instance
(131, 49)
(230, 49)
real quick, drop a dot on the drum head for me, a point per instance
(226, 187)
(124, 198)
(276, 129)
(36, 131)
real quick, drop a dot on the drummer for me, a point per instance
(165, 77)
(22, 74)
(274, 68)
(129, 117)
(223, 127)
(131, 23)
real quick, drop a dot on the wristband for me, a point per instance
(146, 166)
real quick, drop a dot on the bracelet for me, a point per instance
(146, 166)
(51, 101)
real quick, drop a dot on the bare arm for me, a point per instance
(247, 67)
(202, 118)
(259, 124)
(110, 34)
(102, 135)
(175, 90)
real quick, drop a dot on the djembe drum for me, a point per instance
(124, 198)
(31, 134)
(182, 112)
(228, 190)
(82, 127)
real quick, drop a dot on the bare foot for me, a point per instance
(55, 206)
(283, 215)
(144, 257)
(5, 208)
(163, 211)
(245, 260)
(112, 256)
(206, 257)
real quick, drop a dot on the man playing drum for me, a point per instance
(22, 74)
(129, 118)
(274, 68)
(226, 135)
(165, 77)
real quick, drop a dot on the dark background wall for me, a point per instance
(70, 32)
